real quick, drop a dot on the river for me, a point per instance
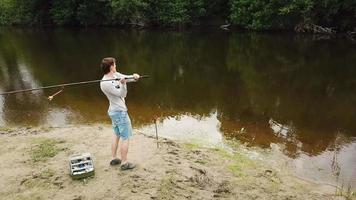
(264, 89)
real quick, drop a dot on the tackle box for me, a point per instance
(81, 165)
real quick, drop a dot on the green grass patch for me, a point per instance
(236, 170)
(239, 163)
(41, 180)
(346, 192)
(223, 153)
(46, 174)
(5, 129)
(44, 149)
(32, 196)
(45, 128)
(201, 161)
(166, 188)
(191, 146)
(33, 183)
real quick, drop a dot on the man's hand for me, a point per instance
(136, 76)
(123, 81)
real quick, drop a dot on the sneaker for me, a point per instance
(115, 161)
(127, 166)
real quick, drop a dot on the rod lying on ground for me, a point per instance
(67, 84)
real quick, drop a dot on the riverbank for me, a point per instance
(35, 166)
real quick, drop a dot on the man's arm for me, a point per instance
(130, 78)
(112, 90)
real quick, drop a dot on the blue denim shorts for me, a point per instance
(121, 124)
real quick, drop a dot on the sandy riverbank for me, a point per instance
(34, 165)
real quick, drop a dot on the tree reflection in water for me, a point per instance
(247, 78)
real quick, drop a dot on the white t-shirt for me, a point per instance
(115, 91)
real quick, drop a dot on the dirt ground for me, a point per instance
(34, 165)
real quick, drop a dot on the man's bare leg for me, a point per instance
(124, 148)
(114, 145)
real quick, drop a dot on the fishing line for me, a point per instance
(65, 85)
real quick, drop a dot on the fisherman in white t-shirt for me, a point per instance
(116, 92)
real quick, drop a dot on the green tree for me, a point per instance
(170, 12)
(276, 14)
(129, 11)
(249, 14)
(93, 12)
(15, 12)
(63, 12)
(263, 14)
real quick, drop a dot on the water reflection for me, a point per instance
(57, 117)
(192, 129)
(15, 75)
(280, 130)
(248, 79)
(329, 167)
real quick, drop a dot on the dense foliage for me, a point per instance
(250, 14)
(283, 14)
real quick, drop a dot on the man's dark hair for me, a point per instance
(106, 63)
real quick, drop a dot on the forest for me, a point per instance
(337, 15)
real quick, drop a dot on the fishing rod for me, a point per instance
(65, 85)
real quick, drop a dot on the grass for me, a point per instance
(5, 129)
(44, 149)
(84, 181)
(244, 168)
(35, 184)
(345, 192)
(238, 163)
(32, 196)
(46, 128)
(222, 152)
(195, 144)
(46, 174)
(166, 189)
(42, 180)
(191, 146)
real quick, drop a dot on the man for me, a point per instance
(116, 92)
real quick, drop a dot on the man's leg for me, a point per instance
(114, 145)
(124, 148)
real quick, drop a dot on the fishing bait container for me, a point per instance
(81, 165)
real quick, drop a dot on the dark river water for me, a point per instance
(296, 92)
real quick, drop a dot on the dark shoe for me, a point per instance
(115, 162)
(127, 166)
